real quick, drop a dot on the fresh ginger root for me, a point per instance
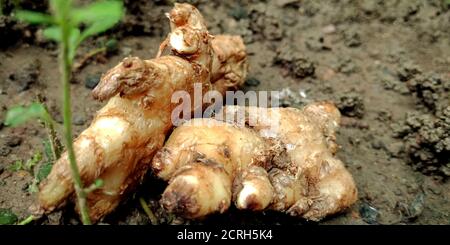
(211, 163)
(125, 134)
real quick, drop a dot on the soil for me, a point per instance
(384, 63)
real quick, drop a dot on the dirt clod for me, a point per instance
(346, 66)
(303, 68)
(316, 44)
(384, 116)
(26, 76)
(264, 24)
(427, 141)
(13, 140)
(298, 64)
(430, 90)
(352, 38)
(351, 104)
(407, 71)
(55, 218)
(4, 151)
(378, 144)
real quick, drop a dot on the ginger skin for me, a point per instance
(291, 169)
(218, 144)
(120, 143)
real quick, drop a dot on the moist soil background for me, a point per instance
(386, 64)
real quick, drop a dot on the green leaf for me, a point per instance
(7, 217)
(44, 171)
(48, 150)
(46, 167)
(94, 186)
(21, 114)
(60, 4)
(16, 166)
(99, 17)
(96, 28)
(60, 7)
(98, 183)
(33, 188)
(103, 11)
(74, 41)
(33, 17)
(53, 33)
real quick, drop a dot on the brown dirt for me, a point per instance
(378, 60)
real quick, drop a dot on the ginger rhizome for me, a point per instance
(119, 144)
(292, 168)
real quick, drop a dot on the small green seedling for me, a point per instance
(18, 115)
(21, 114)
(16, 166)
(96, 18)
(28, 165)
(7, 217)
(46, 167)
(43, 169)
(32, 162)
(98, 183)
(69, 27)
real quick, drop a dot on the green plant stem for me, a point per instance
(49, 125)
(54, 141)
(66, 65)
(149, 212)
(26, 221)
